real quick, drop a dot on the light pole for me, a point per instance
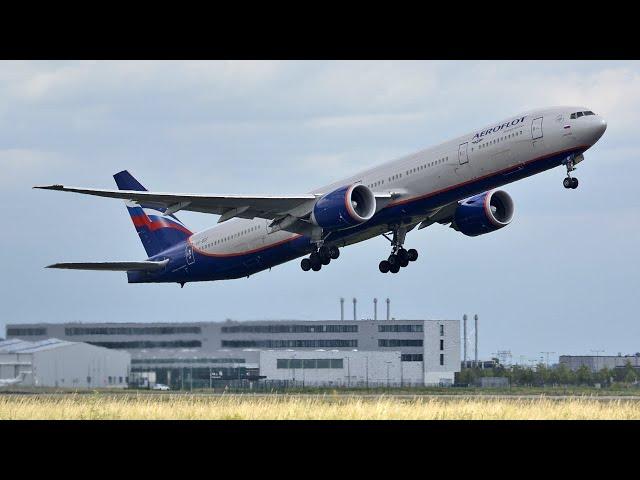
(388, 363)
(367, 359)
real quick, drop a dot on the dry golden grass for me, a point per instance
(320, 407)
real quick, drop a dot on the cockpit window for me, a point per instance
(580, 114)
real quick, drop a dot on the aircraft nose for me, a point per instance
(597, 129)
(602, 126)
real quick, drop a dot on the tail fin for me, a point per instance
(157, 231)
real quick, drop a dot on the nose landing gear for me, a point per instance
(569, 181)
(399, 257)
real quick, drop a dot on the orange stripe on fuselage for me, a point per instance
(427, 195)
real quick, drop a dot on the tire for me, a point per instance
(326, 261)
(316, 267)
(315, 258)
(402, 256)
(305, 264)
(404, 262)
(334, 252)
(567, 182)
(574, 183)
(384, 266)
(393, 260)
(413, 254)
(394, 269)
(323, 253)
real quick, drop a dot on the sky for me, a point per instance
(563, 277)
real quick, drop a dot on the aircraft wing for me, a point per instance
(146, 266)
(229, 206)
(271, 207)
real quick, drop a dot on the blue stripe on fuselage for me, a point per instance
(205, 267)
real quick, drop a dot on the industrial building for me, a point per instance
(598, 362)
(424, 352)
(60, 363)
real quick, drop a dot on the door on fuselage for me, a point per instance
(463, 155)
(536, 128)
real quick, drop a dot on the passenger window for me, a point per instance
(579, 114)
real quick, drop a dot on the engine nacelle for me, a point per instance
(484, 213)
(344, 208)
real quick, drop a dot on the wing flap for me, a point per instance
(145, 266)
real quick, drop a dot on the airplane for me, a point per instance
(452, 183)
(6, 382)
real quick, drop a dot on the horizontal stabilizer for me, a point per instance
(146, 266)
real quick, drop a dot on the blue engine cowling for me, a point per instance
(344, 208)
(483, 213)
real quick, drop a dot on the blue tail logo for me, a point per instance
(157, 231)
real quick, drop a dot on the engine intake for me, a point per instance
(484, 213)
(344, 208)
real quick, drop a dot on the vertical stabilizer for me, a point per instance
(157, 231)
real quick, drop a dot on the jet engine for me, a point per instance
(483, 213)
(344, 208)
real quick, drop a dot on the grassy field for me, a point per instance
(315, 407)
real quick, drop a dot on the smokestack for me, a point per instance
(341, 308)
(475, 318)
(388, 309)
(464, 336)
(375, 308)
(355, 317)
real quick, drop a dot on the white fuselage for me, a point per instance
(482, 153)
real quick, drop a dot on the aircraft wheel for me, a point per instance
(567, 182)
(314, 257)
(384, 266)
(393, 260)
(305, 264)
(326, 261)
(402, 256)
(394, 268)
(574, 183)
(413, 254)
(323, 253)
(334, 252)
(404, 262)
(316, 267)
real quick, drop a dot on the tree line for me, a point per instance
(542, 375)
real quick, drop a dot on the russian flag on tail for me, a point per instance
(158, 232)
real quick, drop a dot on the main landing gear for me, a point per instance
(569, 181)
(322, 256)
(399, 257)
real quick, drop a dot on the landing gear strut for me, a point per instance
(322, 256)
(569, 181)
(399, 257)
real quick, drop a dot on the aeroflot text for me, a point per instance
(478, 136)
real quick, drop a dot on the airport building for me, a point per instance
(59, 363)
(598, 362)
(421, 352)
